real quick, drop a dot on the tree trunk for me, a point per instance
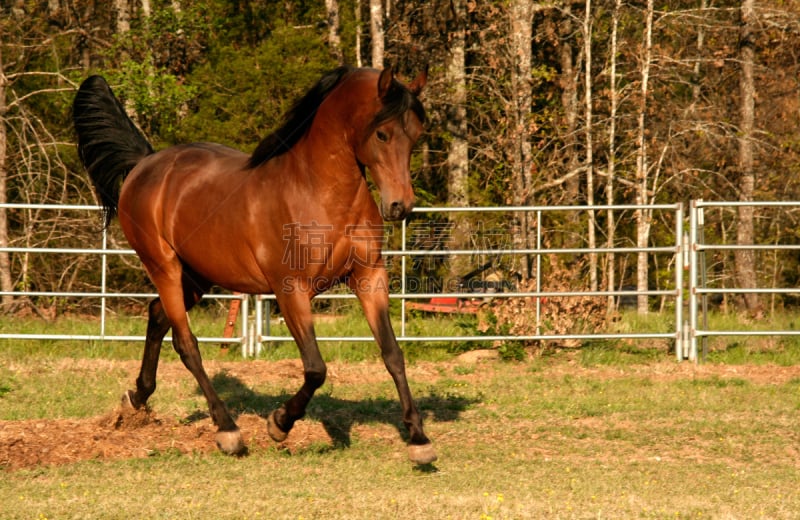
(334, 40)
(359, 62)
(6, 280)
(53, 8)
(745, 259)
(521, 14)
(697, 69)
(123, 16)
(376, 32)
(587, 46)
(458, 153)
(570, 106)
(611, 268)
(569, 103)
(642, 215)
(84, 46)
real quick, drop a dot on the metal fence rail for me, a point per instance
(683, 251)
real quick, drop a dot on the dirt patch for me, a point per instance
(125, 434)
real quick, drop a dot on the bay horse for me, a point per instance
(292, 219)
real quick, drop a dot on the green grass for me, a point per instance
(596, 432)
(615, 353)
(49, 388)
(544, 438)
(784, 351)
(209, 322)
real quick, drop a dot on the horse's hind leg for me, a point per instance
(157, 327)
(179, 289)
(228, 437)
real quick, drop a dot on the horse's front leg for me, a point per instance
(296, 309)
(372, 290)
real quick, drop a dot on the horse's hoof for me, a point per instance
(421, 453)
(127, 400)
(274, 430)
(230, 442)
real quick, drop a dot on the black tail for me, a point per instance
(109, 144)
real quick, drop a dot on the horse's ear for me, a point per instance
(419, 82)
(385, 81)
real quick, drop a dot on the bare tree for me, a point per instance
(122, 10)
(745, 259)
(457, 129)
(334, 39)
(6, 280)
(458, 154)
(568, 81)
(589, 161)
(359, 63)
(613, 94)
(376, 32)
(521, 18)
(643, 216)
(32, 169)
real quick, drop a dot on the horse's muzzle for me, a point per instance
(395, 211)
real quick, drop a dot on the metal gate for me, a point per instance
(697, 330)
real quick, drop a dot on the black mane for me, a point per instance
(397, 101)
(298, 120)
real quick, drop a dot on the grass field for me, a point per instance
(607, 431)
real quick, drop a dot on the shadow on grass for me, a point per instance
(338, 416)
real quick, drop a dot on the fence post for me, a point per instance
(538, 271)
(680, 245)
(104, 262)
(694, 218)
(259, 323)
(403, 278)
(246, 332)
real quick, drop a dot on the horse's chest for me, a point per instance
(319, 248)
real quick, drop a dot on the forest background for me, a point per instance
(529, 103)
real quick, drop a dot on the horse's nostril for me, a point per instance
(395, 210)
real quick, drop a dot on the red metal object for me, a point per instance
(233, 314)
(446, 305)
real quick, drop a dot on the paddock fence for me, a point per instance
(506, 246)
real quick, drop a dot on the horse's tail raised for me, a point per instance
(109, 143)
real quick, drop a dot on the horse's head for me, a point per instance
(393, 126)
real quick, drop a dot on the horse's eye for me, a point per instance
(382, 136)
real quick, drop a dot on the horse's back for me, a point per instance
(200, 158)
(181, 178)
(183, 203)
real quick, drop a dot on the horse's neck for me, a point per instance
(328, 174)
(326, 162)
